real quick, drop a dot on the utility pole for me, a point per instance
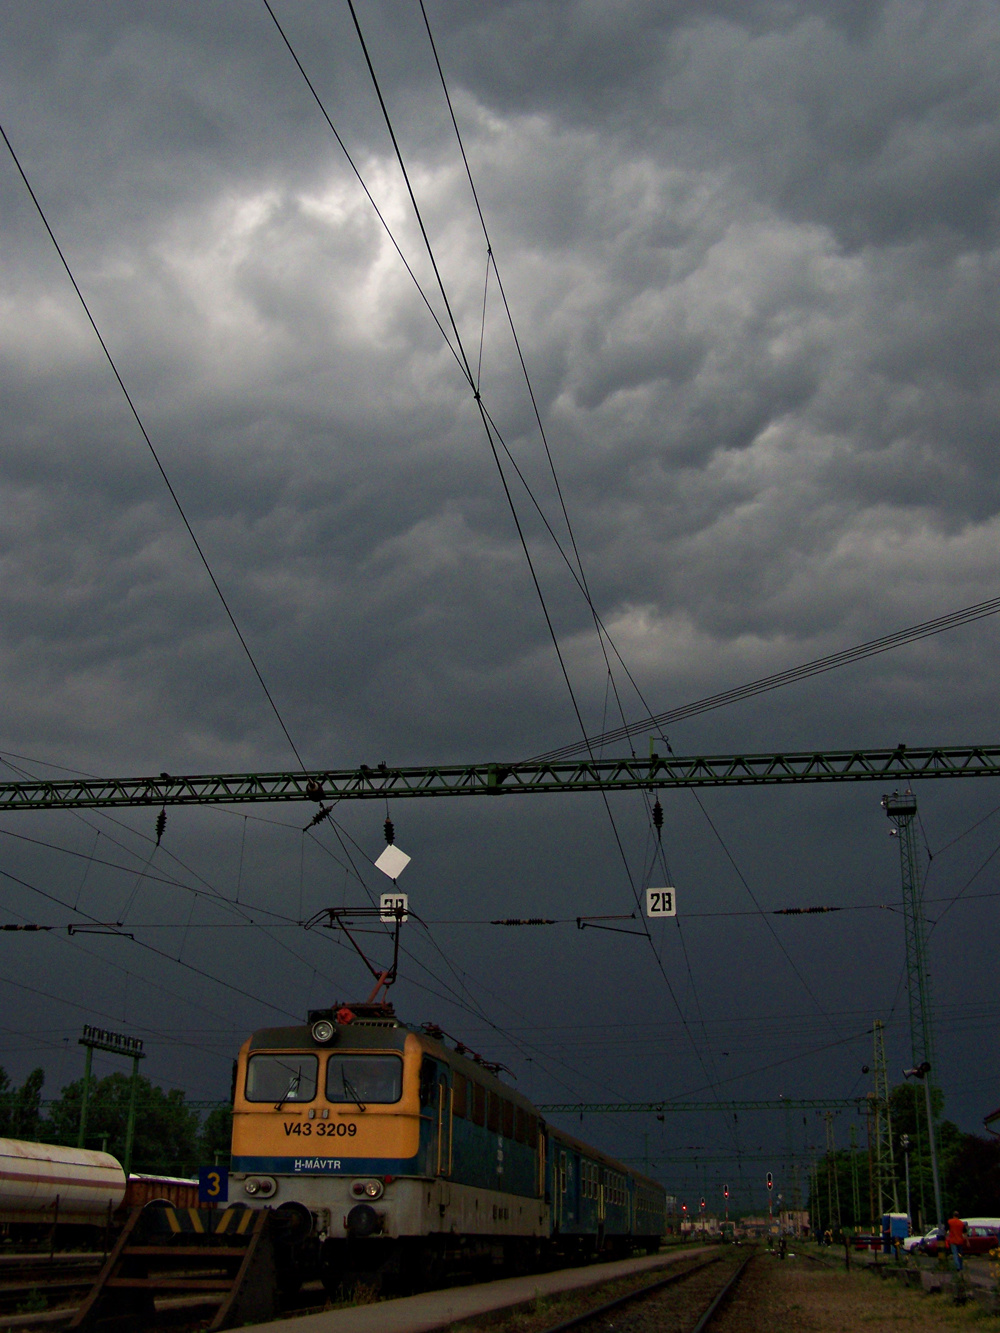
(855, 1192)
(869, 1125)
(832, 1183)
(904, 1143)
(885, 1167)
(791, 1161)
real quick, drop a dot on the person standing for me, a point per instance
(955, 1236)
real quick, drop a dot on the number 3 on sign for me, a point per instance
(661, 902)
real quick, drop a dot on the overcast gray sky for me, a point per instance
(751, 252)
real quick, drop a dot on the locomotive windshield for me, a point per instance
(281, 1078)
(364, 1078)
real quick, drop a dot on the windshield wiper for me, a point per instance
(293, 1086)
(351, 1091)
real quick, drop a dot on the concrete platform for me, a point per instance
(437, 1309)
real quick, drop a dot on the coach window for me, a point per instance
(459, 1083)
(532, 1131)
(364, 1078)
(281, 1078)
(478, 1104)
(508, 1120)
(519, 1126)
(493, 1112)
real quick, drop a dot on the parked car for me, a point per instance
(978, 1240)
(917, 1242)
(866, 1240)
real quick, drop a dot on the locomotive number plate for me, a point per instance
(320, 1129)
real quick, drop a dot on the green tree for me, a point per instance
(215, 1139)
(972, 1183)
(21, 1108)
(166, 1131)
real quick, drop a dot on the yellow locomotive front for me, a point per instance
(328, 1131)
(381, 1151)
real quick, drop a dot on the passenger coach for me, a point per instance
(387, 1151)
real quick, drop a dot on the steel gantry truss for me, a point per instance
(901, 764)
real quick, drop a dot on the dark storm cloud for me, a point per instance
(752, 256)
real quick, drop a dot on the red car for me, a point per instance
(978, 1240)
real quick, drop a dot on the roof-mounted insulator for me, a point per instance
(390, 832)
(657, 815)
(161, 824)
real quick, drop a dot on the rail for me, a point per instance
(651, 1288)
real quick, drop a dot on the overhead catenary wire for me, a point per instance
(870, 648)
(290, 922)
(153, 452)
(492, 436)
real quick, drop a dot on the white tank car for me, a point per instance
(37, 1179)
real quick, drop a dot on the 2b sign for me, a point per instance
(661, 902)
(391, 904)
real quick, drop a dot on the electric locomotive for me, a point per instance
(384, 1151)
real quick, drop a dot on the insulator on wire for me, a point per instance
(657, 815)
(161, 824)
(390, 832)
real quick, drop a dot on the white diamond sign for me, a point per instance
(392, 862)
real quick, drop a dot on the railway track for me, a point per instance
(33, 1278)
(648, 1311)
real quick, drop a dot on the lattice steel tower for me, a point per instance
(885, 1166)
(902, 812)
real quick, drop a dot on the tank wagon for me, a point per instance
(43, 1183)
(385, 1151)
(46, 1185)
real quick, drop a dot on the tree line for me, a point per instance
(171, 1139)
(843, 1185)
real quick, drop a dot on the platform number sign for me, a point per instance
(661, 902)
(391, 903)
(213, 1184)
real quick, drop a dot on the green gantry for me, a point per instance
(898, 765)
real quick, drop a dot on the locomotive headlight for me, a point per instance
(323, 1032)
(367, 1189)
(262, 1185)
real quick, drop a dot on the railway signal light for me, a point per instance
(725, 1191)
(770, 1182)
